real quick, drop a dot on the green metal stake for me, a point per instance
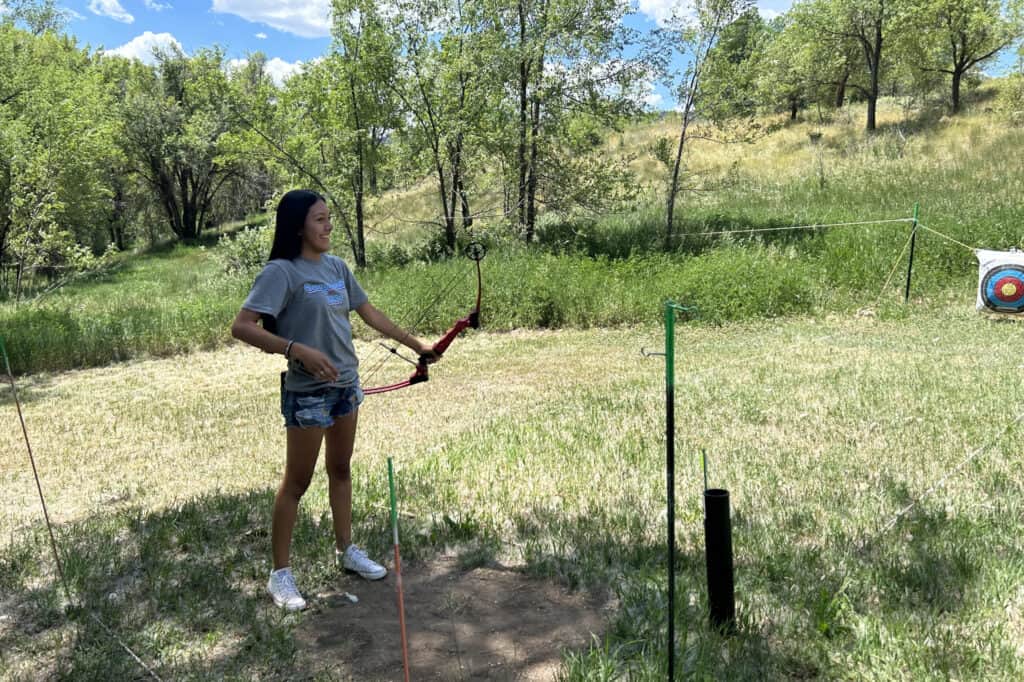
(910, 260)
(670, 475)
(670, 466)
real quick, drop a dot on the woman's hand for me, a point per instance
(426, 351)
(315, 362)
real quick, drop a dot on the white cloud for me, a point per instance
(155, 5)
(112, 9)
(261, 35)
(278, 69)
(141, 47)
(652, 98)
(305, 18)
(663, 10)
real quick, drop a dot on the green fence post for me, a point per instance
(910, 260)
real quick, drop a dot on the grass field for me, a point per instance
(546, 450)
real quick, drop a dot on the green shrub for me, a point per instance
(246, 251)
(1010, 101)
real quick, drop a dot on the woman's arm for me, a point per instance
(379, 321)
(246, 328)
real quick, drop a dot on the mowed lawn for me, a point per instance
(546, 450)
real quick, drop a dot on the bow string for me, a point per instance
(475, 251)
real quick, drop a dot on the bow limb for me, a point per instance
(470, 321)
(418, 377)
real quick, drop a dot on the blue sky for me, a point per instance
(289, 32)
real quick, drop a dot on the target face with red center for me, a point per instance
(1002, 289)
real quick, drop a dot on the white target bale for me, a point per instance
(1001, 282)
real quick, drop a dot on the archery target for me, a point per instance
(1001, 282)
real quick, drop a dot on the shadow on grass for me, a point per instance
(930, 559)
(30, 389)
(183, 588)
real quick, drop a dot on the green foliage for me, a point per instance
(245, 252)
(729, 80)
(1010, 101)
(957, 37)
(173, 119)
(159, 305)
(55, 144)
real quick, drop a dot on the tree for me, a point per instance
(443, 90)
(698, 35)
(784, 74)
(173, 121)
(866, 24)
(364, 57)
(955, 36)
(55, 143)
(564, 58)
(730, 87)
(37, 16)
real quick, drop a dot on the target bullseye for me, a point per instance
(1002, 289)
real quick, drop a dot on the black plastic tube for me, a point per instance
(718, 551)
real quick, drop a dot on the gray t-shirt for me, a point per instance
(311, 301)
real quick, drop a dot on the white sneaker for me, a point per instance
(356, 561)
(281, 587)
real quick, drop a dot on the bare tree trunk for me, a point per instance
(700, 55)
(840, 98)
(531, 183)
(957, 78)
(524, 78)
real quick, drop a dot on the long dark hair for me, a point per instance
(291, 217)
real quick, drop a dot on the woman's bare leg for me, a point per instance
(341, 438)
(303, 449)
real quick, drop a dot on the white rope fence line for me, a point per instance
(716, 233)
(947, 237)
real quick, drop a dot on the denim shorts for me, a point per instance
(319, 408)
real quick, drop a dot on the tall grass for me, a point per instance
(157, 305)
(599, 270)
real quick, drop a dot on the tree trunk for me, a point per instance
(458, 186)
(531, 182)
(875, 65)
(840, 98)
(957, 78)
(449, 213)
(358, 178)
(359, 247)
(116, 218)
(524, 103)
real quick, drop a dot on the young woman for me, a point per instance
(308, 294)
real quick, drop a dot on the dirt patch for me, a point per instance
(490, 623)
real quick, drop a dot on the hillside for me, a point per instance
(601, 270)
